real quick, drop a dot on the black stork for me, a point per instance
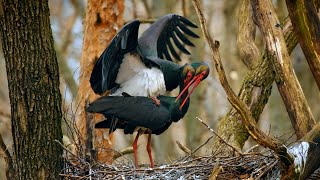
(137, 113)
(136, 65)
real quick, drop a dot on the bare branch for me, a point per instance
(241, 107)
(249, 52)
(304, 18)
(183, 148)
(255, 91)
(134, 9)
(128, 150)
(234, 148)
(288, 85)
(185, 9)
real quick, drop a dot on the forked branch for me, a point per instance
(241, 107)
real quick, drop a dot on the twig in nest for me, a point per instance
(195, 150)
(252, 148)
(183, 148)
(234, 148)
(66, 149)
(268, 169)
(215, 172)
(123, 152)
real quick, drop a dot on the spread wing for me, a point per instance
(135, 110)
(105, 70)
(157, 39)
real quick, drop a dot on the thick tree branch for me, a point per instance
(255, 91)
(249, 52)
(288, 85)
(304, 18)
(241, 107)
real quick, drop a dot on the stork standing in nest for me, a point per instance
(137, 113)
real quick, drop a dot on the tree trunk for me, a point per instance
(306, 23)
(33, 80)
(291, 92)
(255, 92)
(103, 19)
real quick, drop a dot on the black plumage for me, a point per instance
(153, 44)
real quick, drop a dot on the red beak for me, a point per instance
(185, 88)
(196, 81)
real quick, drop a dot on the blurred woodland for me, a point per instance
(208, 103)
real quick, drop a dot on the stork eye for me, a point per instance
(189, 76)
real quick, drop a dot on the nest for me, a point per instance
(249, 166)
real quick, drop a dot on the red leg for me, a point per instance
(156, 100)
(149, 150)
(135, 146)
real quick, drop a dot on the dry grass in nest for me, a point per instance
(249, 166)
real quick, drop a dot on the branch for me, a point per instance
(134, 9)
(183, 148)
(249, 52)
(8, 158)
(242, 109)
(232, 147)
(185, 9)
(128, 150)
(288, 85)
(62, 51)
(304, 18)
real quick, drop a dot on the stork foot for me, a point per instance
(156, 100)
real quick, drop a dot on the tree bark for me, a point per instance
(33, 79)
(103, 19)
(248, 51)
(255, 92)
(306, 23)
(292, 95)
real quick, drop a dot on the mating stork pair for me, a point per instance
(138, 71)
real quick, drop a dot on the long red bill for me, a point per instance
(196, 83)
(186, 88)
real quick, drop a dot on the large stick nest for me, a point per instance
(249, 166)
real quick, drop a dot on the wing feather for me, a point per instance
(105, 70)
(155, 41)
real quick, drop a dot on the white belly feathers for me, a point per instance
(136, 79)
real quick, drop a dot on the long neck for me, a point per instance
(173, 107)
(171, 72)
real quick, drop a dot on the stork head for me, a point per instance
(202, 71)
(187, 73)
